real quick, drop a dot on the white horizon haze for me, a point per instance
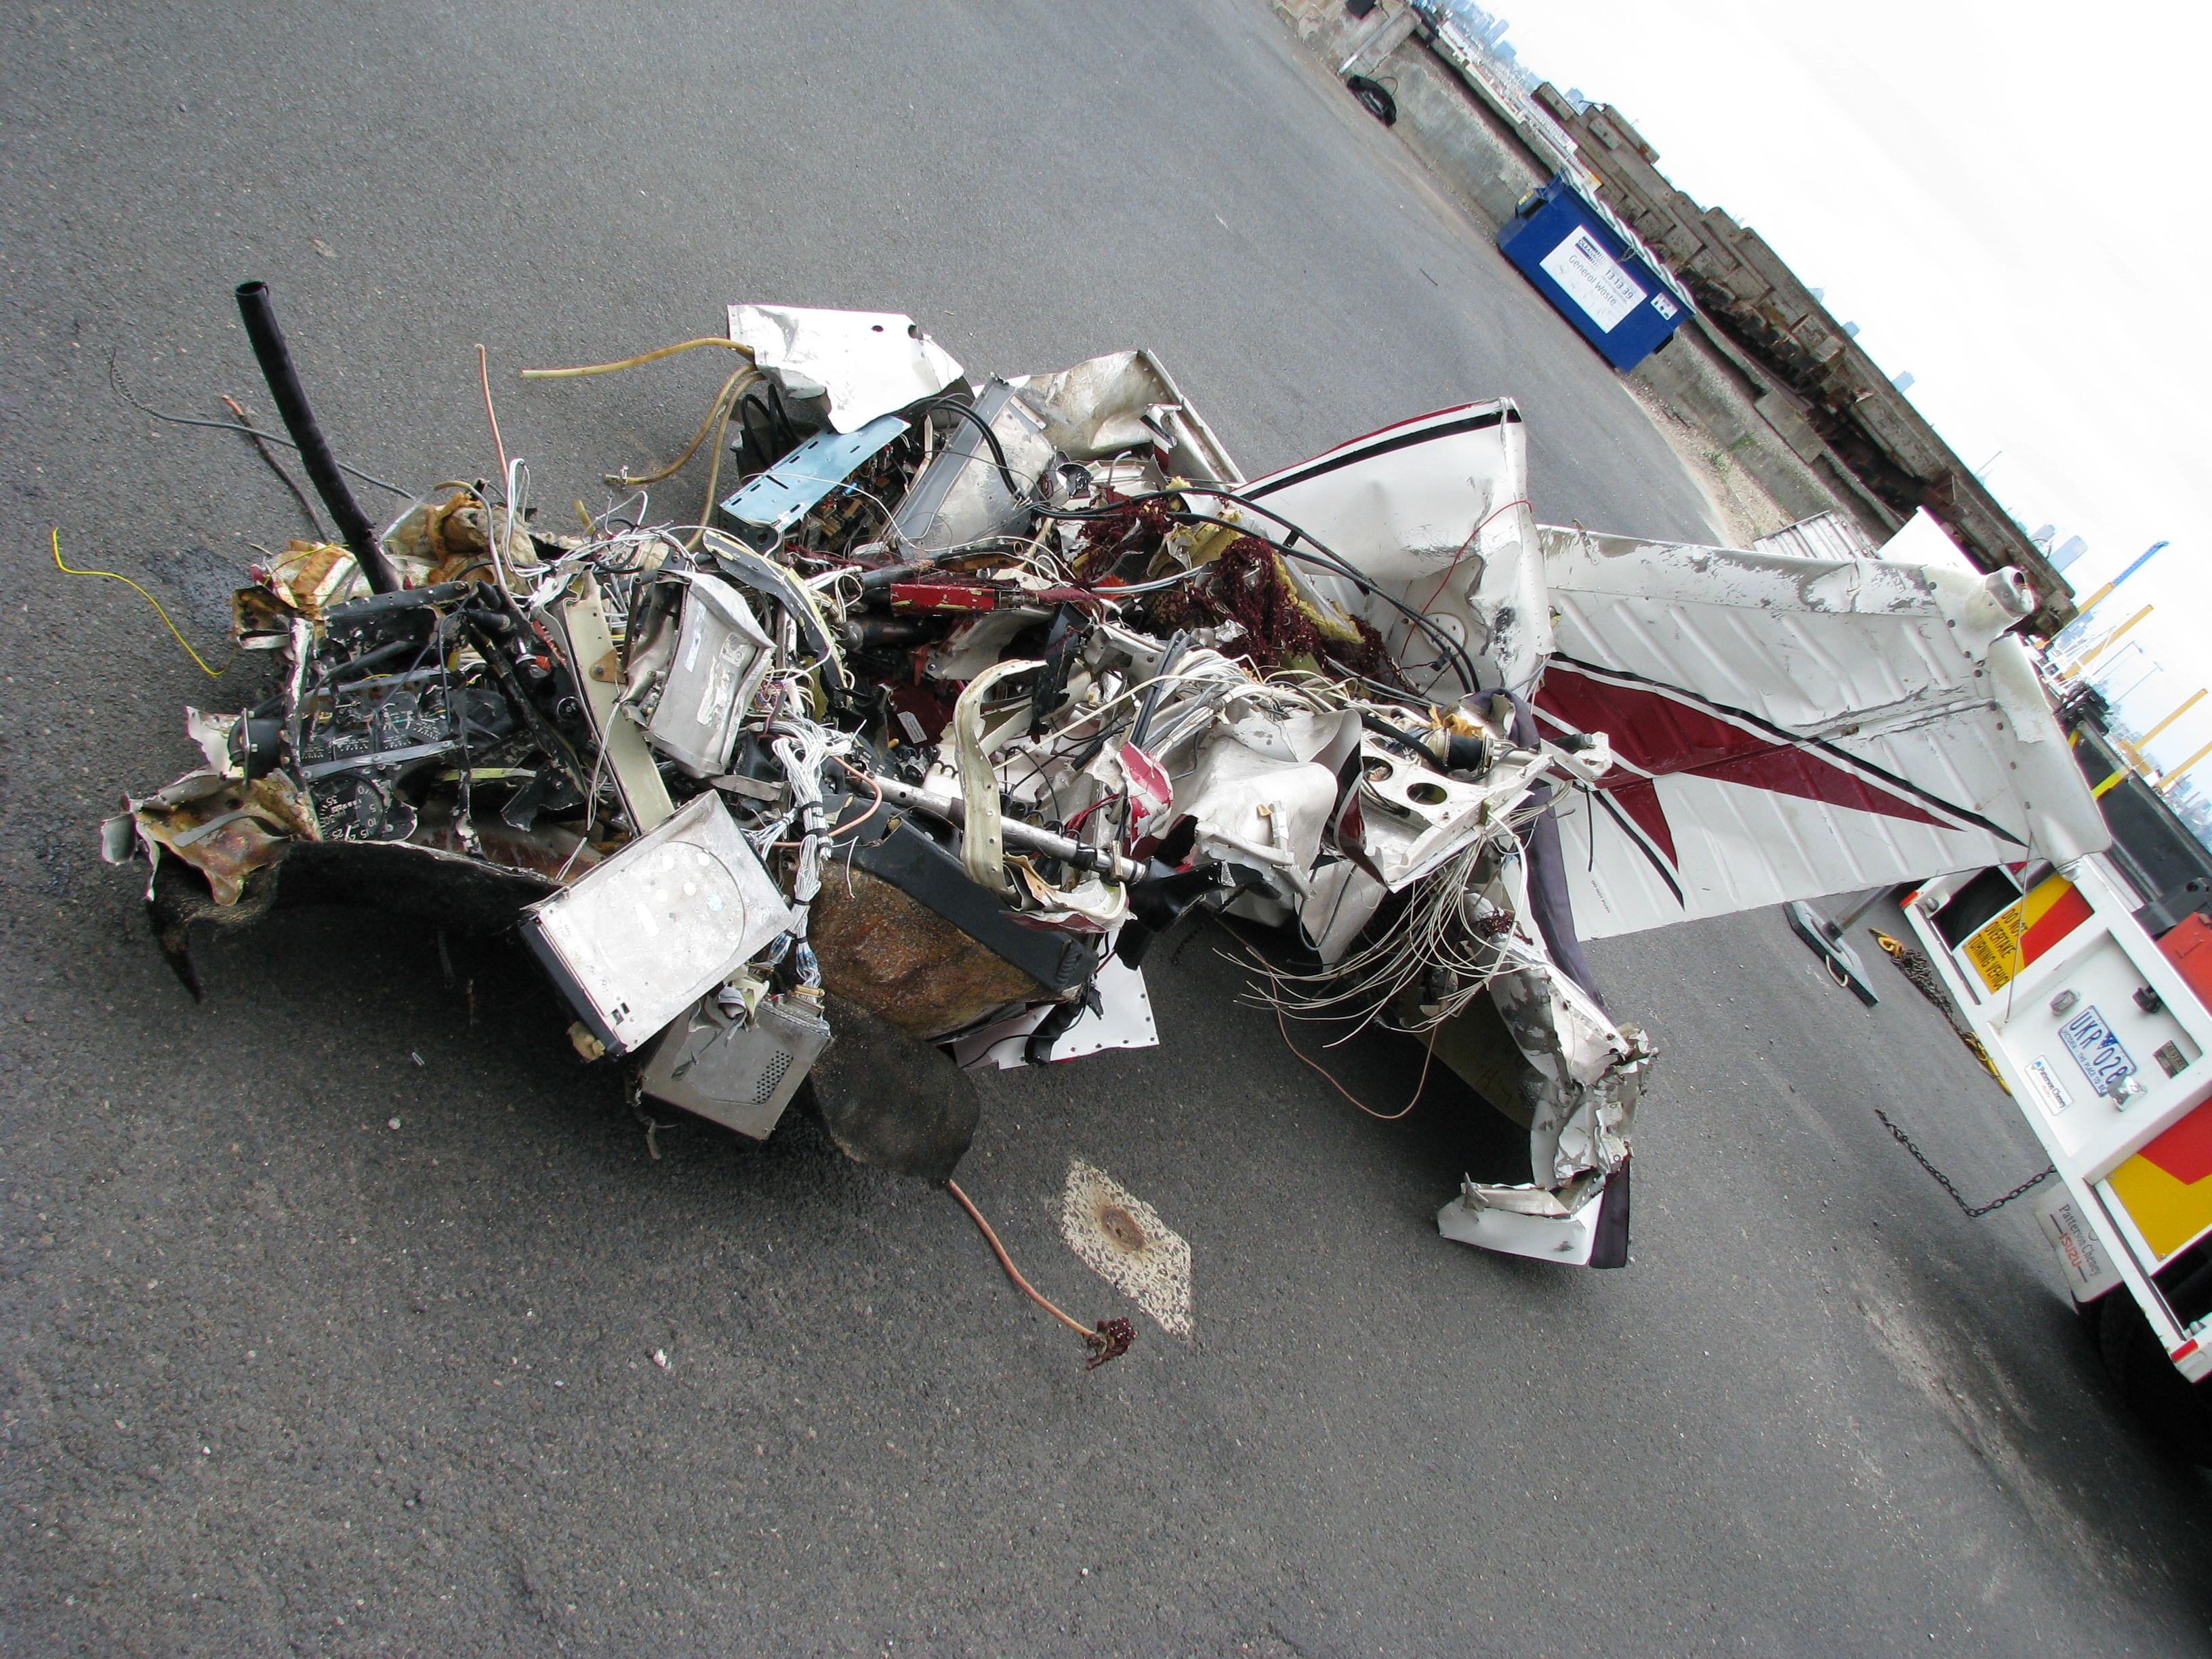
(2006, 200)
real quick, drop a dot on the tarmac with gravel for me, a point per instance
(332, 1303)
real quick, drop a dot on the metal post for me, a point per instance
(2081, 664)
(1837, 929)
(2166, 781)
(2195, 697)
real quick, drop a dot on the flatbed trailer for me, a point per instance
(2102, 1032)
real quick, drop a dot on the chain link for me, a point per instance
(1944, 1181)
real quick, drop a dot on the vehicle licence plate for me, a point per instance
(2096, 1051)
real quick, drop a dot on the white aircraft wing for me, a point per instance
(1787, 727)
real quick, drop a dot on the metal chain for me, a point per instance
(1944, 1181)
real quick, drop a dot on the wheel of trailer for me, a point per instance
(2172, 1405)
(2092, 1315)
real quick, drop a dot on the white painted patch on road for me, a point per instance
(1122, 1239)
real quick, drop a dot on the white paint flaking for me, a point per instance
(1157, 1276)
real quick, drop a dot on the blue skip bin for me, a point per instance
(1593, 270)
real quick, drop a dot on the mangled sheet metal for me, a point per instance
(964, 693)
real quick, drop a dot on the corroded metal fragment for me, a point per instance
(900, 960)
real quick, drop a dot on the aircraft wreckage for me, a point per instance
(967, 692)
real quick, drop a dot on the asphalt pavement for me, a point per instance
(336, 1306)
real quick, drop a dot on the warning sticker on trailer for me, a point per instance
(1593, 279)
(2166, 1188)
(2008, 942)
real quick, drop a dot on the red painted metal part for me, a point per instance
(942, 596)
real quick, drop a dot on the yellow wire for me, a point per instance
(212, 673)
(632, 362)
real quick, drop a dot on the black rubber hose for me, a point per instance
(967, 412)
(276, 360)
(1391, 734)
(1461, 754)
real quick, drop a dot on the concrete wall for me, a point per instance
(1699, 381)
(1825, 387)
(1765, 368)
(1468, 139)
(1461, 138)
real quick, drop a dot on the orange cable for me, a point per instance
(1012, 1271)
(1383, 1117)
(483, 375)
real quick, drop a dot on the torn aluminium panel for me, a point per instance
(859, 364)
(655, 928)
(1433, 514)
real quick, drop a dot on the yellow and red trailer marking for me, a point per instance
(2168, 1186)
(2009, 941)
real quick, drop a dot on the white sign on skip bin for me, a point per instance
(1593, 278)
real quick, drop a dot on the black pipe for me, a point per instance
(276, 360)
(1459, 754)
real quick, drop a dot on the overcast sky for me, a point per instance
(2010, 201)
